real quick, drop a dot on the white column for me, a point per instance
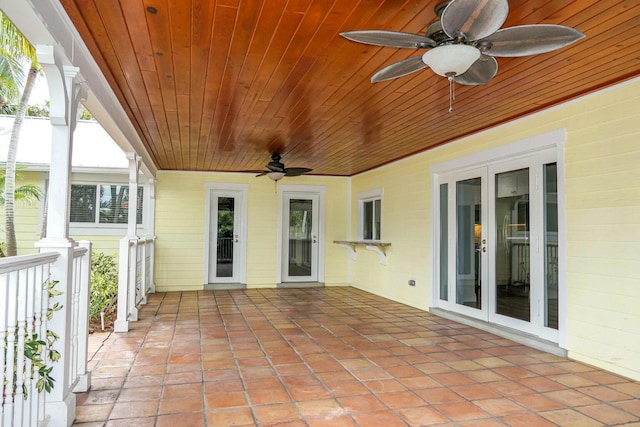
(151, 230)
(64, 96)
(134, 172)
(127, 310)
(84, 375)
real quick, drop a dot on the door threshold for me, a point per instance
(300, 285)
(504, 332)
(224, 286)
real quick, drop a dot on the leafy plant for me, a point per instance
(104, 285)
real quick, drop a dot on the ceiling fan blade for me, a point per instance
(481, 72)
(474, 19)
(532, 39)
(389, 38)
(275, 167)
(399, 69)
(296, 171)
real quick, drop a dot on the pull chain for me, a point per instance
(452, 94)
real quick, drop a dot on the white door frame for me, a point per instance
(453, 274)
(320, 191)
(242, 191)
(508, 152)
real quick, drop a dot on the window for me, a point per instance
(102, 204)
(370, 215)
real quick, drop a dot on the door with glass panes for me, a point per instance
(498, 241)
(226, 241)
(300, 237)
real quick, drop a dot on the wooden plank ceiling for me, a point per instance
(219, 85)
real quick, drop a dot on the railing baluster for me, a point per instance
(10, 363)
(21, 331)
(4, 298)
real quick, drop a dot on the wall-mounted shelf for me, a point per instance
(377, 247)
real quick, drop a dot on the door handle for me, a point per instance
(314, 239)
(482, 249)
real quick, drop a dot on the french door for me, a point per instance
(300, 237)
(227, 236)
(498, 241)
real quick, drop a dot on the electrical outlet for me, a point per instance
(412, 282)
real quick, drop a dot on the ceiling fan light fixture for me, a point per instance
(451, 60)
(275, 176)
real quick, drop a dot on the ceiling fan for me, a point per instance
(276, 170)
(464, 40)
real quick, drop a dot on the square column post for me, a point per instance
(128, 254)
(151, 228)
(65, 96)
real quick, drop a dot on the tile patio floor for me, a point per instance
(332, 357)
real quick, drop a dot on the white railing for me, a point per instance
(135, 278)
(24, 324)
(25, 300)
(80, 300)
(225, 249)
(144, 270)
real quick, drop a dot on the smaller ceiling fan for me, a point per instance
(276, 169)
(462, 43)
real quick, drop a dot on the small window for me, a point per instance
(370, 215)
(102, 204)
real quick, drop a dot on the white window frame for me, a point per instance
(99, 229)
(365, 197)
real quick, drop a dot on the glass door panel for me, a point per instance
(513, 248)
(444, 242)
(550, 216)
(225, 237)
(300, 237)
(469, 246)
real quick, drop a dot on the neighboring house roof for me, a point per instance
(92, 146)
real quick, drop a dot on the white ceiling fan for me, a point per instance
(462, 43)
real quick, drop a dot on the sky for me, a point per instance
(40, 93)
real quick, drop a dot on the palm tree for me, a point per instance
(16, 46)
(11, 78)
(28, 193)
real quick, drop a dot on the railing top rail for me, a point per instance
(79, 252)
(20, 262)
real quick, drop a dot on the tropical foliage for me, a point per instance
(17, 48)
(29, 193)
(11, 76)
(38, 110)
(104, 286)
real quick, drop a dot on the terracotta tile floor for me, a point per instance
(332, 357)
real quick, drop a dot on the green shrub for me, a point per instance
(104, 285)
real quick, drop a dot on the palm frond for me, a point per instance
(14, 43)
(29, 193)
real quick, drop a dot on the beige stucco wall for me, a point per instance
(602, 195)
(181, 223)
